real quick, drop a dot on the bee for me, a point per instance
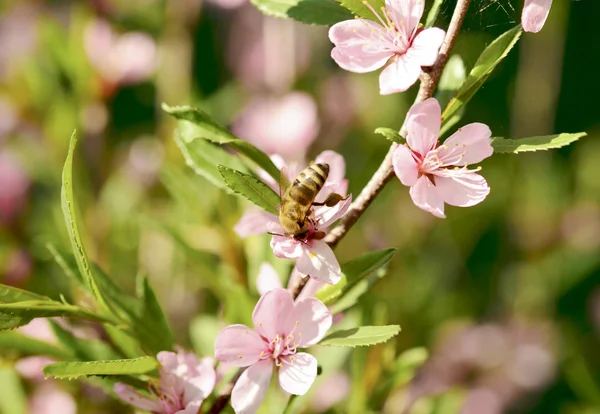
(298, 199)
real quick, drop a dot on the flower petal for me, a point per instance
(271, 312)
(326, 216)
(250, 389)
(356, 48)
(254, 222)
(191, 408)
(199, 386)
(337, 165)
(423, 123)
(310, 288)
(469, 145)
(298, 373)
(319, 262)
(267, 279)
(462, 188)
(424, 49)
(310, 320)
(405, 166)
(399, 75)
(426, 197)
(406, 14)
(237, 341)
(535, 13)
(286, 247)
(132, 397)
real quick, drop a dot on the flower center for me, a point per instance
(282, 346)
(390, 30)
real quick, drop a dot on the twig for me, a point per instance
(385, 172)
(429, 80)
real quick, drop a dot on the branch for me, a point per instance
(385, 172)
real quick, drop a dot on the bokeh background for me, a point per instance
(505, 296)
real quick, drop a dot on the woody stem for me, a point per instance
(429, 80)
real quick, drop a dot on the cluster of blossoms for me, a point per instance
(437, 174)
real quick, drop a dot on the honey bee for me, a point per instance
(298, 198)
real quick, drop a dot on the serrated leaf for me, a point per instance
(542, 143)
(17, 345)
(68, 209)
(13, 315)
(215, 133)
(390, 134)
(85, 349)
(358, 8)
(251, 188)
(154, 316)
(320, 12)
(361, 336)
(9, 294)
(353, 272)
(72, 370)
(486, 63)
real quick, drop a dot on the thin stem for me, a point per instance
(385, 172)
(429, 80)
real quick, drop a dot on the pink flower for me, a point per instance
(185, 381)
(363, 45)
(123, 59)
(313, 256)
(281, 327)
(49, 399)
(535, 13)
(438, 174)
(285, 126)
(268, 279)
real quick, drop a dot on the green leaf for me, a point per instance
(251, 188)
(452, 78)
(543, 143)
(361, 336)
(9, 294)
(486, 63)
(210, 130)
(154, 316)
(433, 13)
(323, 12)
(13, 315)
(128, 346)
(358, 8)
(83, 349)
(353, 272)
(66, 201)
(14, 398)
(72, 370)
(19, 345)
(390, 134)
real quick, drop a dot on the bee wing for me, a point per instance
(284, 183)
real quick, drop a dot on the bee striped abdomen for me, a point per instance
(308, 183)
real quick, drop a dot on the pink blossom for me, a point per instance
(120, 58)
(268, 279)
(185, 381)
(396, 41)
(286, 126)
(281, 327)
(49, 399)
(313, 256)
(535, 13)
(14, 187)
(438, 174)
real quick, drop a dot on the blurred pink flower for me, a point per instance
(121, 59)
(535, 13)
(438, 174)
(286, 126)
(49, 399)
(18, 35)
(332, 390)
(14, 184)
(18, 268)
(313, 256)
(31, 367)
(185, 382)
(281, 327)
(363, 45)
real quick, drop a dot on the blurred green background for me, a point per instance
(504, 295)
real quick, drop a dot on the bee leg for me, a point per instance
(331, 200)
(318, 235)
